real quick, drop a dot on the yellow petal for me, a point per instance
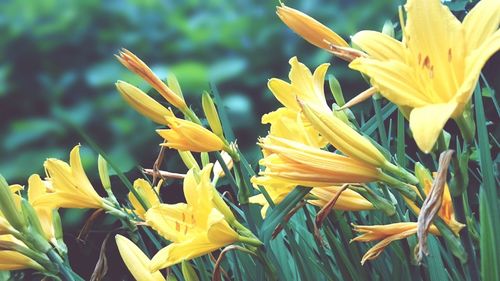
(426, 123)
(481, 22)
(146, 192)
(379, 46)
(433, 35)
(395, 80)
(172, 221)
(284, 93)
(136, 261)
(219, 231)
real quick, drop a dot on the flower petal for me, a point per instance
(480, 23)
(427, 122)
(379, 46)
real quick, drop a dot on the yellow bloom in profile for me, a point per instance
(71, 187)
(310, 29)
(188, 136)
(433, 71)
(12, 260)
(387, 234)
(301, 164)
(304, 85)
(277, 190)
(148, 195)
(136, 261)
(38, 188)
(143, 103)
(136, 65)
(195, 228)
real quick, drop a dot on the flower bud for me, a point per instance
(188, 272)
(211, 114)
(102, 167)
(143, 103)
(8, 207)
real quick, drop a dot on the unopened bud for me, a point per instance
(8, 207)
(102, 167)
(388, 28)
(211, 114)
(336, 90)
(174, 85)
(188, 272)
(188, 159)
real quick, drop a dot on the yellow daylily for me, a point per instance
(446, 212)
(136, 65)
(387, 234)
(277, 190)
(195, 228)
(37, 188)
(143, 103)
(12, 260)
(188, 136)
(433, 71)
(310, 29)
(71, 187)
(301, 164)
(147, 194)
(136, 261)
(289, 124)
(303, 85)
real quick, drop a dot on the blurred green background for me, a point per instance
(57, 67)
(56, 62)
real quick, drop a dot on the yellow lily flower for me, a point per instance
(38, 188)
(136, 65)
(277, 190)
(12, 260)
(433, 71)
(387, 234)
(136, 261)
(146, 192)
(446, 212)
(301, 164)
(143, 103)
(71, 187)
(303, 85)
(195, 228)
(310, 29)
(188, 136)
(289, 124)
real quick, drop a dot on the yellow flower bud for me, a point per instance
(143, 103)
(211, 114)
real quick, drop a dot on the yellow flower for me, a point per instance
(136, 261)
(188, 136)
(289, 124)
(303, 85)
(349, 200)
(343, 137)
(446, 212)
(310, 29)
(146, 192)
(136, 65)
(37, 188)
(301, 164)
(434, 70)
(143, 103)
(387, 234)
(11, 260)
(195, 228)
(71, 187)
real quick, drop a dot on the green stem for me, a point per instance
(400, 172)
(65, 271)
(467, 127)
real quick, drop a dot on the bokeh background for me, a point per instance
(57, 68)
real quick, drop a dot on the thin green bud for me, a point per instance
(173, 84)
(188, 159)
(211, 114)
(336, 90)
(188, 272)
(8, 207)
(388, 28)
(102, 166)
